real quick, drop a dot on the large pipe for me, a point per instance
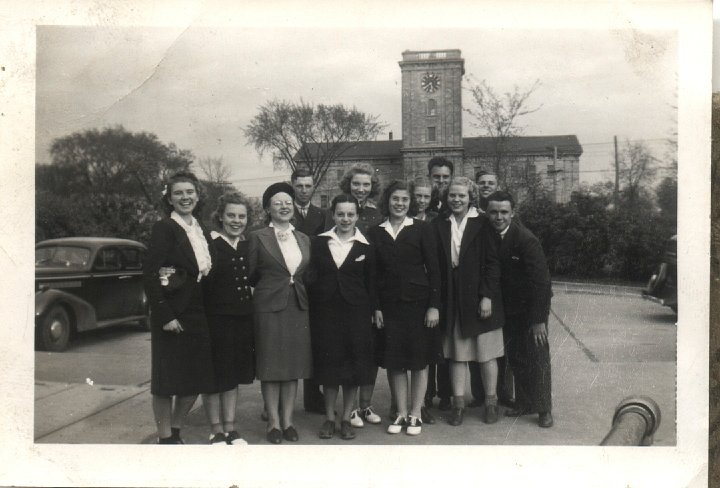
(635, 422)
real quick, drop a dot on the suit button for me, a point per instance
(245, 278)
(235, 267)
(239, 287)
(233, 260)
(242, 258)
(237, 279)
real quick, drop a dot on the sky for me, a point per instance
(199, 86)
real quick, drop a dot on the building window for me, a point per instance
(430, 136)
(323, 201)
(431, 107)
(340, 174)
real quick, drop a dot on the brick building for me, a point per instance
(432, 126)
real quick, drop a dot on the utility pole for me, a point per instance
(616, 194)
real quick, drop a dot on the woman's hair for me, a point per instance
(360, 169)
(384, 204)
(183, 177)
(467, 183)
(421, 182)
(226, 199)
(343, 198)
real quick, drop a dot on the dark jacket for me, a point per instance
(477, 276)
(525, 279)
(312, 224)
(170, 247)
(269, 274)
(407, 268)
(354, 279)
(227, 288)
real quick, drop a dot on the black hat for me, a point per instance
(274, 189)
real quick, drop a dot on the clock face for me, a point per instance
(430, 82)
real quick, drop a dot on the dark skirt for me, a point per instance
(342, 342)
(282, 343)
(233, 350)
(409, 345)
(182, 363)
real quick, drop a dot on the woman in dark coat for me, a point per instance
(228, 305)
(472, 312)
(408, 285)
(178, 260)
(279, 256)
(341, 305)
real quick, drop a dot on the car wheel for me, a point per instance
(53, 334)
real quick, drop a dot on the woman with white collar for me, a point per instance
(342, 299)
(229, 309)
(408, 284)
(472, 314)
(279, 256)
(177, 262)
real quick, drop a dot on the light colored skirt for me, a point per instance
(481, 348)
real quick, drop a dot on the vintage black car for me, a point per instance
(84, 283)
(662, 286)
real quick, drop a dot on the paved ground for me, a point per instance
(605, 345)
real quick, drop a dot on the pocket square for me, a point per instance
(516, 258)
(360, 258)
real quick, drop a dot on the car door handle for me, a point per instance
(124, 277)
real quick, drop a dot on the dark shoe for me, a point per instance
(545, 420)
(346, 431)
(327, 430)
(175, 434)
(518, 411)
(290, 434)
(456, 416)
(168, 440)
(426, 417)
(475, 403)
(274, 436)
(444, 404)
(491, 414)
(233, 438)
(218, 439)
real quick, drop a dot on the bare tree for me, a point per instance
(215, 170)
(637, 170)
(313, 136)
(498, 116)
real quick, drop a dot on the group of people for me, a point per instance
(434, 277)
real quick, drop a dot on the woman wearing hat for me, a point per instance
(278, 256)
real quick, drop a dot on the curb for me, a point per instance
(596, 289)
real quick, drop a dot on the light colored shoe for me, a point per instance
(414, 426)
(369, 416)
(397, 425)
(233, 438)
(218, 439)
(355, 419)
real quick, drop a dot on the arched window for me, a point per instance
(431, 107)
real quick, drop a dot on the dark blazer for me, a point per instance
(354, 279)
(269, 274)
(524, 278)
(227, 287)
(478, 276)
(170, 246)
(312, 224)
(407, 268)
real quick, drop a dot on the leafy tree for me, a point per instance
(498, 116)
(312, 135)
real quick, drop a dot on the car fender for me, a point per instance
(82, 312)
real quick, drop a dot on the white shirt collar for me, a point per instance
(502, 234)
(389, 228)
(176, 217)
(291, 228)
(357, 237)
(233, 242)
(472, 213)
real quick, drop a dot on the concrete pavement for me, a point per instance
(598, 358)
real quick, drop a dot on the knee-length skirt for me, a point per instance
(282, 343)
(233, 350)
(342, 342)
(481, 348)
(408, 343)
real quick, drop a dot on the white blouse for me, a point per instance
(290, 249)
(198, 243)
(340, 249)
(456, 234)
(389, 228)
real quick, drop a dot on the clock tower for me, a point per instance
(431, 109)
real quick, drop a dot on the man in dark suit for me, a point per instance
(526, 291)
(440, 172)
(310, 220)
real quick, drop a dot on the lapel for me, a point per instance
(355, 251)
(444, 226)
(184, 244)
(304, 245)
(269, 242)
(472, 227)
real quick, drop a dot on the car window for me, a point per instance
(108, 259)
(71, 257)
(133, 258)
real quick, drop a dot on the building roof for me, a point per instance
(567, 145)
